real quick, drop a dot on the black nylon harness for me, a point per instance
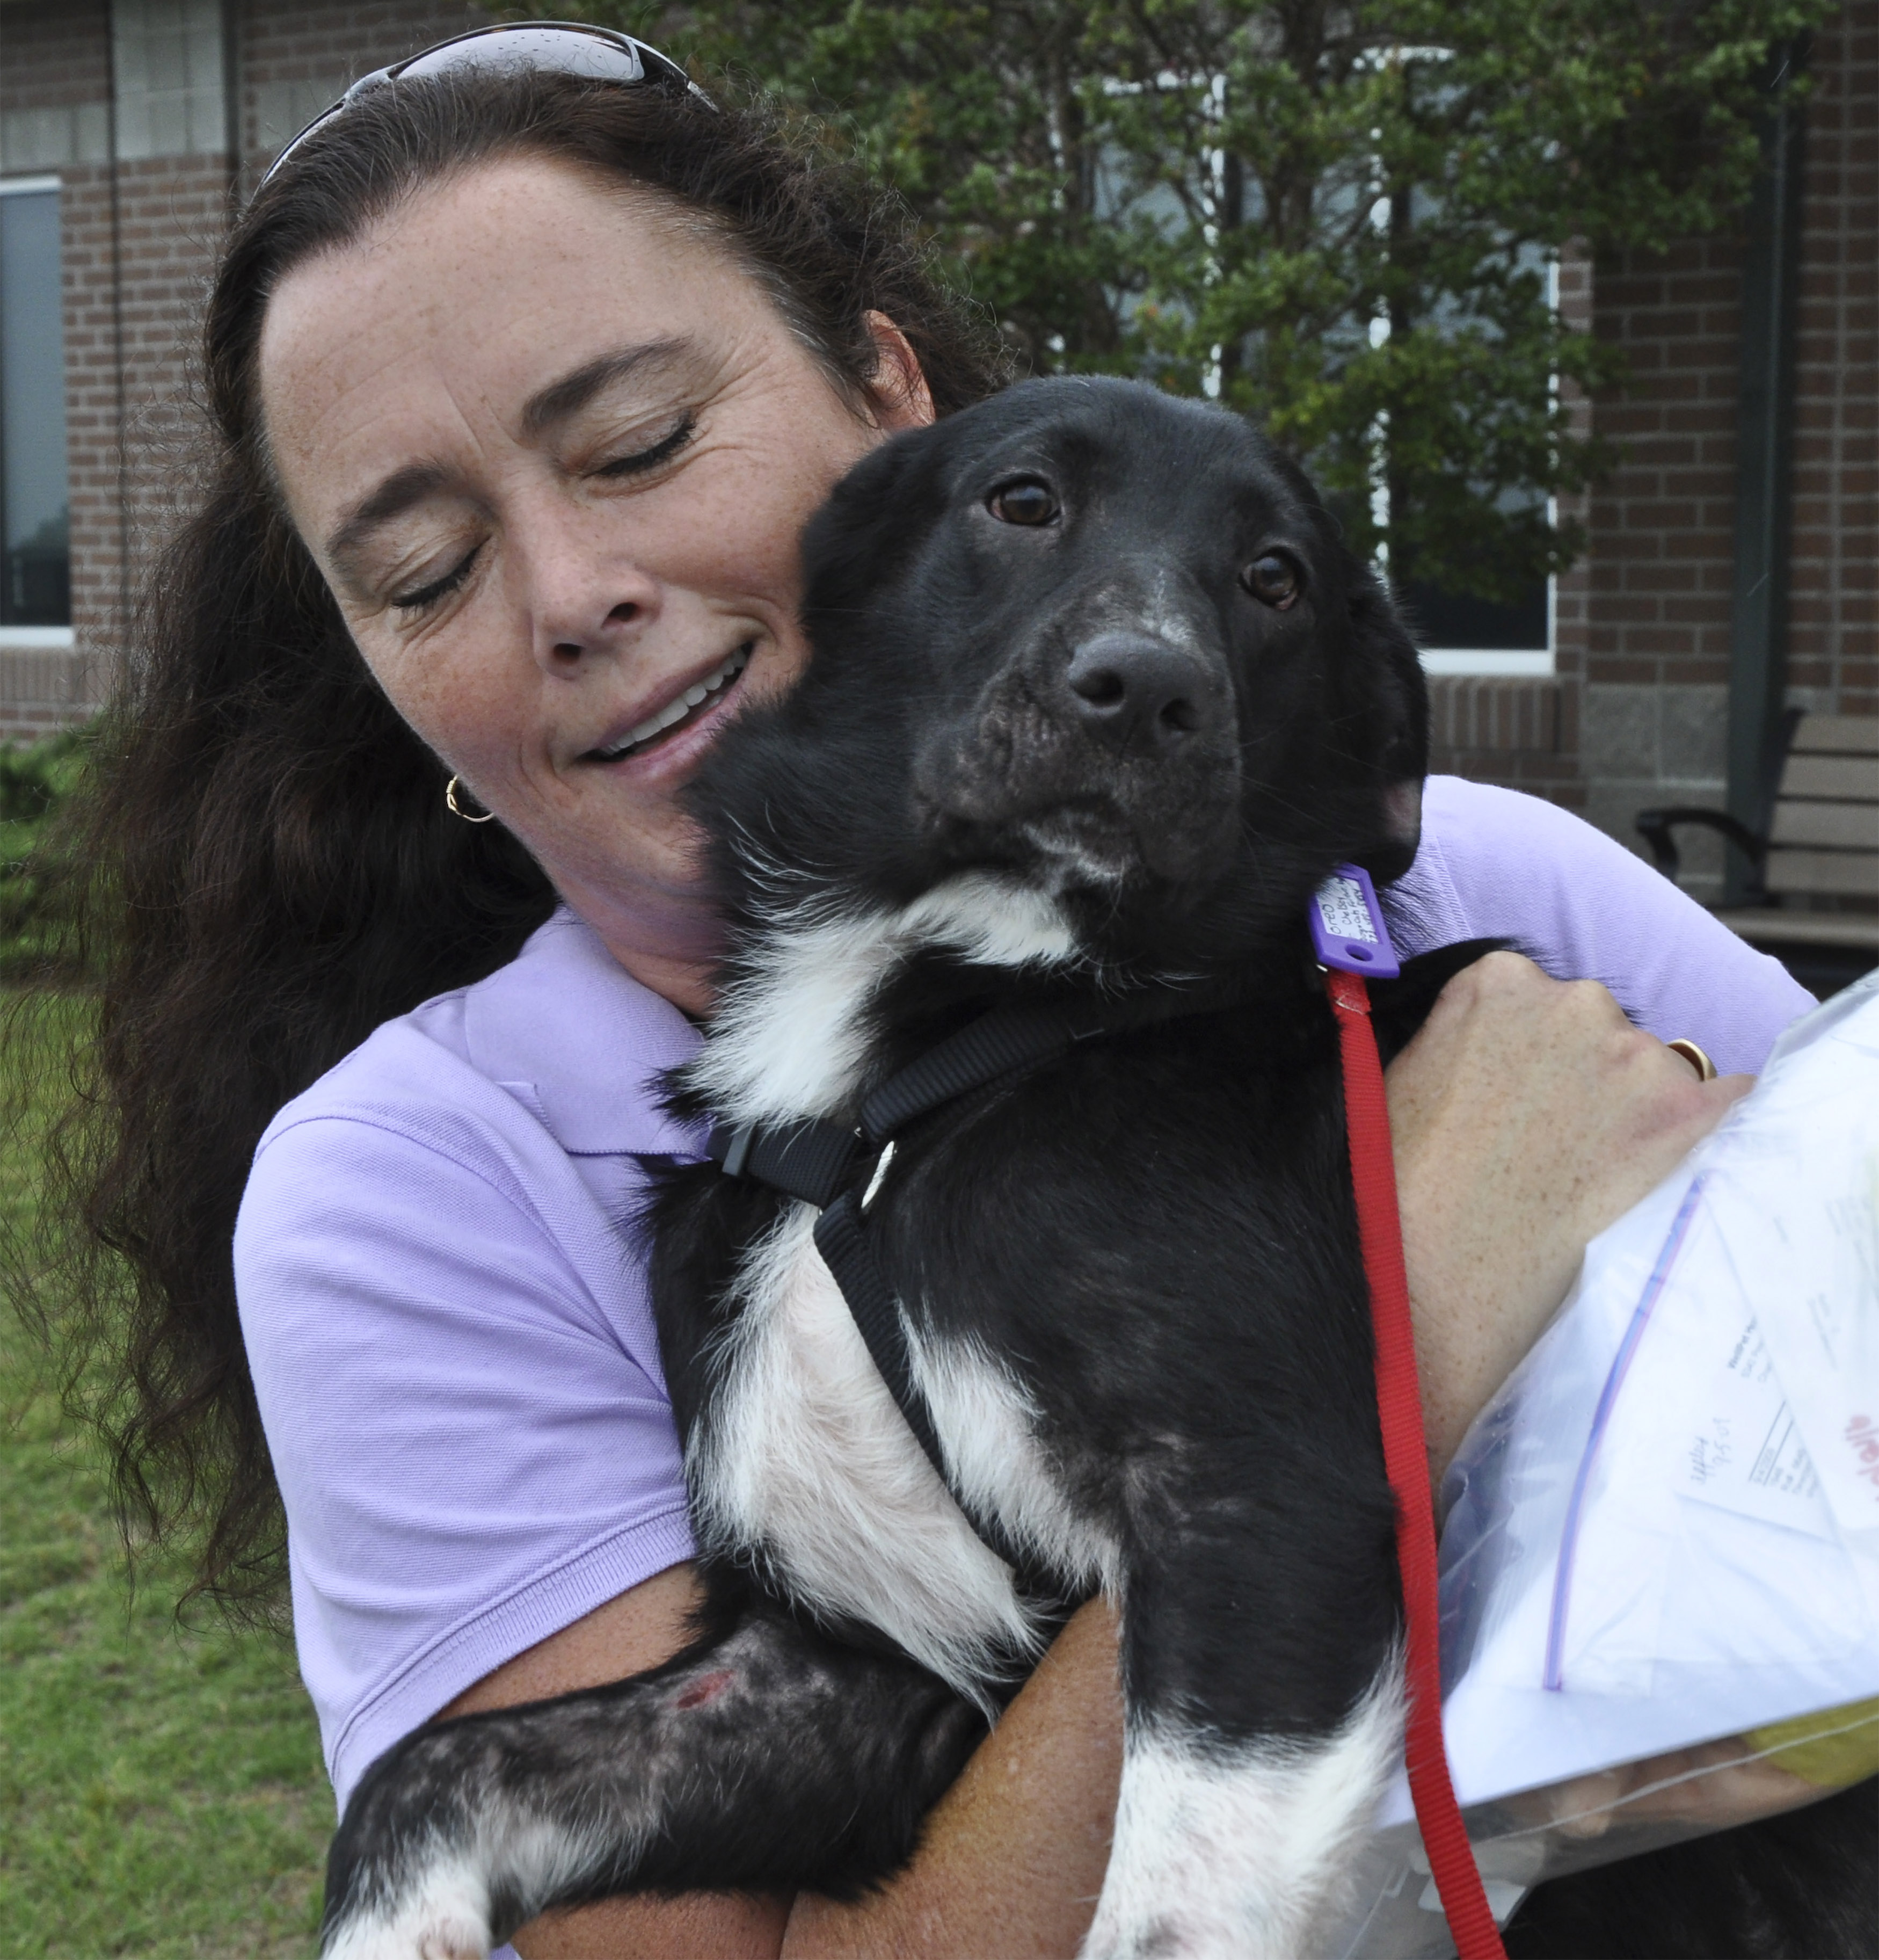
(817, 1161)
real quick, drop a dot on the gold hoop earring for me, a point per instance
(457, 810)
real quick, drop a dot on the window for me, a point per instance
(1460, 635)
(35, 552)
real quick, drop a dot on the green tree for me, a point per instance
(1340, 218)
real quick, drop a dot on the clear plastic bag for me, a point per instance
(1660, 1558)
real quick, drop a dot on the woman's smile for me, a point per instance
(686, 710)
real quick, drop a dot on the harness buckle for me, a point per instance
(737, 1150)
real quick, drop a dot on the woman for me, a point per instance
(525, 377)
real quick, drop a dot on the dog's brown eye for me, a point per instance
(1273, 580)
(1026, 501)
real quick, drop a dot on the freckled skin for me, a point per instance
(593, 598)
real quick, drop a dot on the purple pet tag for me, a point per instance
(1347, 927)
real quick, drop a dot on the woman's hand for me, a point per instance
(1527, 1115)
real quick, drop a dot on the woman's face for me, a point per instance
(552, 449)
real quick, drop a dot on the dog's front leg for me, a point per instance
(768, 1759)
(1234, 1848)
(1264, 1712)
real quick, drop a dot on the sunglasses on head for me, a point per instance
(544, 47)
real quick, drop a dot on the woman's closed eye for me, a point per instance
(638, 462)
(425, 596)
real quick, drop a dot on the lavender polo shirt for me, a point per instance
(451, 1339)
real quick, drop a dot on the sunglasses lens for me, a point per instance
(596, 57)
(532, 50)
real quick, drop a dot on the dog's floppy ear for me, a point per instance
(856, 544)
(1386, 667)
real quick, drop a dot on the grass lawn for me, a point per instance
(160, 1792)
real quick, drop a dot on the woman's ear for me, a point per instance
(898, 391)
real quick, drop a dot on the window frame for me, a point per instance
(1506, 662)
(1512, 662)
(38, 639)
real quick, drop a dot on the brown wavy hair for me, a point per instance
(270, 870)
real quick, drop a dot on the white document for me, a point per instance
(1667, 1528)
(1743, 1452)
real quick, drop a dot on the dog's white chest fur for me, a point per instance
(805, 1460)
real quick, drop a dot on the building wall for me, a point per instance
(1520, 733)
(54, 119)
(1636, 711)
(130, 317)
(1654, 709)
(293, 61)
(1655, 705)
(1833, 636)
(137, 237)
(54, 81)
(140, 236)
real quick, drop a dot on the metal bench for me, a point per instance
(1823, 843)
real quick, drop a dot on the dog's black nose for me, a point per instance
(1138, 693)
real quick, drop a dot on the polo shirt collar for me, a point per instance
(565, 1028)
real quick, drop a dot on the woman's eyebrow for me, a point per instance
(399, 492)
(572, 392)
(406, 488)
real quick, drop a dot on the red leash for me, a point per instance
(1405, 1455)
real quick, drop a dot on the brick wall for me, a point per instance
(1640, 715)
(130, 327)
(139, 243)
(1636, 711)
(55, 79)
(56, 58)
(32, 692)
(1833, 639)
(294, 60)
(1655, 711)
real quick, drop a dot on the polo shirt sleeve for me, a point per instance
(463, 1407)
(1494, 864)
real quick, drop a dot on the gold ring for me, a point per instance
(1706, 1069)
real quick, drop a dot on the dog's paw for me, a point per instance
(1172, 1934)
(412, 1938)
(446, 1918)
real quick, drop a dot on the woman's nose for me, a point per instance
(585, 601)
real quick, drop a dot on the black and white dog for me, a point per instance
(1099, 698)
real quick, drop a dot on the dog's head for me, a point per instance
(1103, 644)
